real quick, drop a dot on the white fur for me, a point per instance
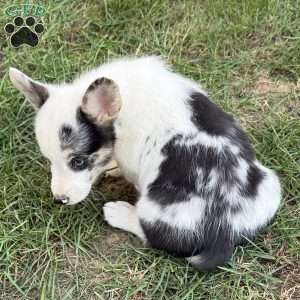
(255, 213)
(124, 216)
(183, 215)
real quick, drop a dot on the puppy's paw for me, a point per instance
(119, 214)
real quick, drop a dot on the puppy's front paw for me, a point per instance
(119, 214)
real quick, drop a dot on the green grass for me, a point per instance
(50, 252)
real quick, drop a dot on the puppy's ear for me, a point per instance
(102, 100)
(37, 93)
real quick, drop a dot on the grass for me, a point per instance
(246, 53)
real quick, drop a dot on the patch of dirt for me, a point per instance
(290, 289)
(138, 296)
(265, 85)
(293, 107)
(117, 189)
(115, 238)
(268, 97)
(96, 268)
(92, 265)
(73, 35)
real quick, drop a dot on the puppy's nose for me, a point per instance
(61, 199)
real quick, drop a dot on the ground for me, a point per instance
(246, 53)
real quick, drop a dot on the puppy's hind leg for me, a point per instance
(123, 215)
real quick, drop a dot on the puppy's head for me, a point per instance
(74, 129)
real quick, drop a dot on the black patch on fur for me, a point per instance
(239, 138)
(87, 140)
(162, 236)
(213, 237)
(178, 177)
(66, 136)
(193, 169)
(186, 172)
(210, 118)
(92, 137)
(207, 116)
(254, 179)
(98, 82)
(210, 258)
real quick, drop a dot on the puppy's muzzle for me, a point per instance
(61, 199)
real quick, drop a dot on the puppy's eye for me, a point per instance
(78, 163)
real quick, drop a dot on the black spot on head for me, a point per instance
(91, 137)
(86, 141)
(66, 136)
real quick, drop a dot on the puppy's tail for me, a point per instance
(210, 259)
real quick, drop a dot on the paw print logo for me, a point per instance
(24, 31)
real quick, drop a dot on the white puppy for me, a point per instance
(201, 187)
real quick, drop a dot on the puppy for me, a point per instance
(201, 189)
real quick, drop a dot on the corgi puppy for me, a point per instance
(201, 188)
